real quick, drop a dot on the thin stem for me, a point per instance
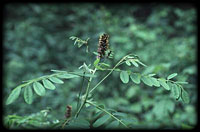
(111, 69)
(80, 91)
(107, 113)
(65, 123)
(46, 76)
(108, 74)
(86, 96)
(38, 79)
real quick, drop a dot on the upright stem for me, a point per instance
(86, 96)
(87, 90)
(65, 123)
(80, 91)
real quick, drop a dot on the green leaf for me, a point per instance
(28, 95)
(128, 63)
(98, 113)
(56, 80)
(47, 84)
(72, 38)
(120, 114)
(146, 80)
(124, 76)
(182, 82)
(113, 124)
(134, 63)
(67, 76)
(99, 68)
(135, 77)
(80, 43)
(95, 53)
(82, 74)
(155, 82)
(111, 110)
(101, 120)
(137, 60)
(96, 62)
(170, 84)
(78, 123)
(88, 75)
(117, 69)
(185, 96)
(104, 65)
(164, 84)
(128, 120)
(172, 76)
(151, 75)
(14, 95)
(101, 106)
(86, 68)
(58, 71)
(39, 89)
(175, 90)
(75, 41)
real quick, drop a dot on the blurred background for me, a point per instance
(36, 40)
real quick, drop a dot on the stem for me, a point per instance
(112, 69)
(46, 76)
(108, 74)
(107, 113)
(80, 91)
(65, 123)
(39, 78)
(86, 96)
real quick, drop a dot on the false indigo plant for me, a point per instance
(116, 119)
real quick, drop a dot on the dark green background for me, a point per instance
(36, 40)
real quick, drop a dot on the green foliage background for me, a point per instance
(36, 40)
